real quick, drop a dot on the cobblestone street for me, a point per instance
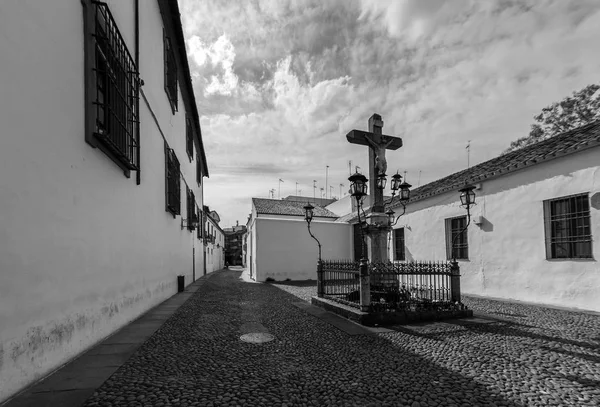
(509, 355)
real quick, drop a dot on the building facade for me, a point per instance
(234, 245)
(101, 172)
(533, 231)
(214, 242)
(279, 246)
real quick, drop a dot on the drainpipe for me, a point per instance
(138, 176)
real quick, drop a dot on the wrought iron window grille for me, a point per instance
(173, 188)
(189, 138)
(170, 73)
(192, 220)
(115, 90)
(457, 245)
(567, 227)
(399, 249)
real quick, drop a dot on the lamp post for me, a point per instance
(308, 216)
(358, 189)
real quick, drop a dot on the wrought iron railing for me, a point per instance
(411, 285)
(339, 281)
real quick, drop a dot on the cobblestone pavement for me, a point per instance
(524, 356)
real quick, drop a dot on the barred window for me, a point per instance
(567, 227)
(172, 191)
(457, 246)
(399, 252)
(170, 73)
(189, 138)
(112, 88)
(200, 223)
(191, 208)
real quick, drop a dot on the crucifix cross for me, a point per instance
(377, 143)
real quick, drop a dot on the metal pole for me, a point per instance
(326, 176)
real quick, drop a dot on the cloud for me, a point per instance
(279, 83)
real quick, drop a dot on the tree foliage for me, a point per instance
(573, 111)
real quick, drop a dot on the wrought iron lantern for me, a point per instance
(396, 178)
(358, 185)
(381, 180)
(405, 191)
(308, 212)
(467, 196)
(391, 216)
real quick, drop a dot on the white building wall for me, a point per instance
(83, 249)
(285, 249)
(507, 252)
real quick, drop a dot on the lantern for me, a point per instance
(405, 191)
(358, 185)
(381, 181)
(467, 196)
(308, 212)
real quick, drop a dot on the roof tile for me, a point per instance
(565, 143)
(291, 208)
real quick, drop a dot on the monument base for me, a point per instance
(387, 318)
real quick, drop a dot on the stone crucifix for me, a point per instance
(377, 144)
(377, 220)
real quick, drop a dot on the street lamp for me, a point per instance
(381, 180)
(404, 198)
(358, 189)
(308, 216)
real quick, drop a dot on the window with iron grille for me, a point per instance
(567, 227)
(191, 208)
(189, 138)
(112, 88)
(399, 252)
(170, 73)
(200, 223)
(172, 191)
(457, 246)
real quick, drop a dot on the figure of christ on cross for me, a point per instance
(379, 149)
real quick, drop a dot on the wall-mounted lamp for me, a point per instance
(190, 223)
(467, 199)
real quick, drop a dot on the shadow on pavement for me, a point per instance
(385, 364)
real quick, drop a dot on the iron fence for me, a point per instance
(339, 280)
(411, 285)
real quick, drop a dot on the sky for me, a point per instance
(279, 83)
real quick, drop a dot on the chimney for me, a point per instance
(237, 223)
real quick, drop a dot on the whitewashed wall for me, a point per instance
(507, 253)
(284, 248)
(216, 258)
(83, 249)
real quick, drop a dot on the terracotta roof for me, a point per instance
(292, 208)
(572, 141)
